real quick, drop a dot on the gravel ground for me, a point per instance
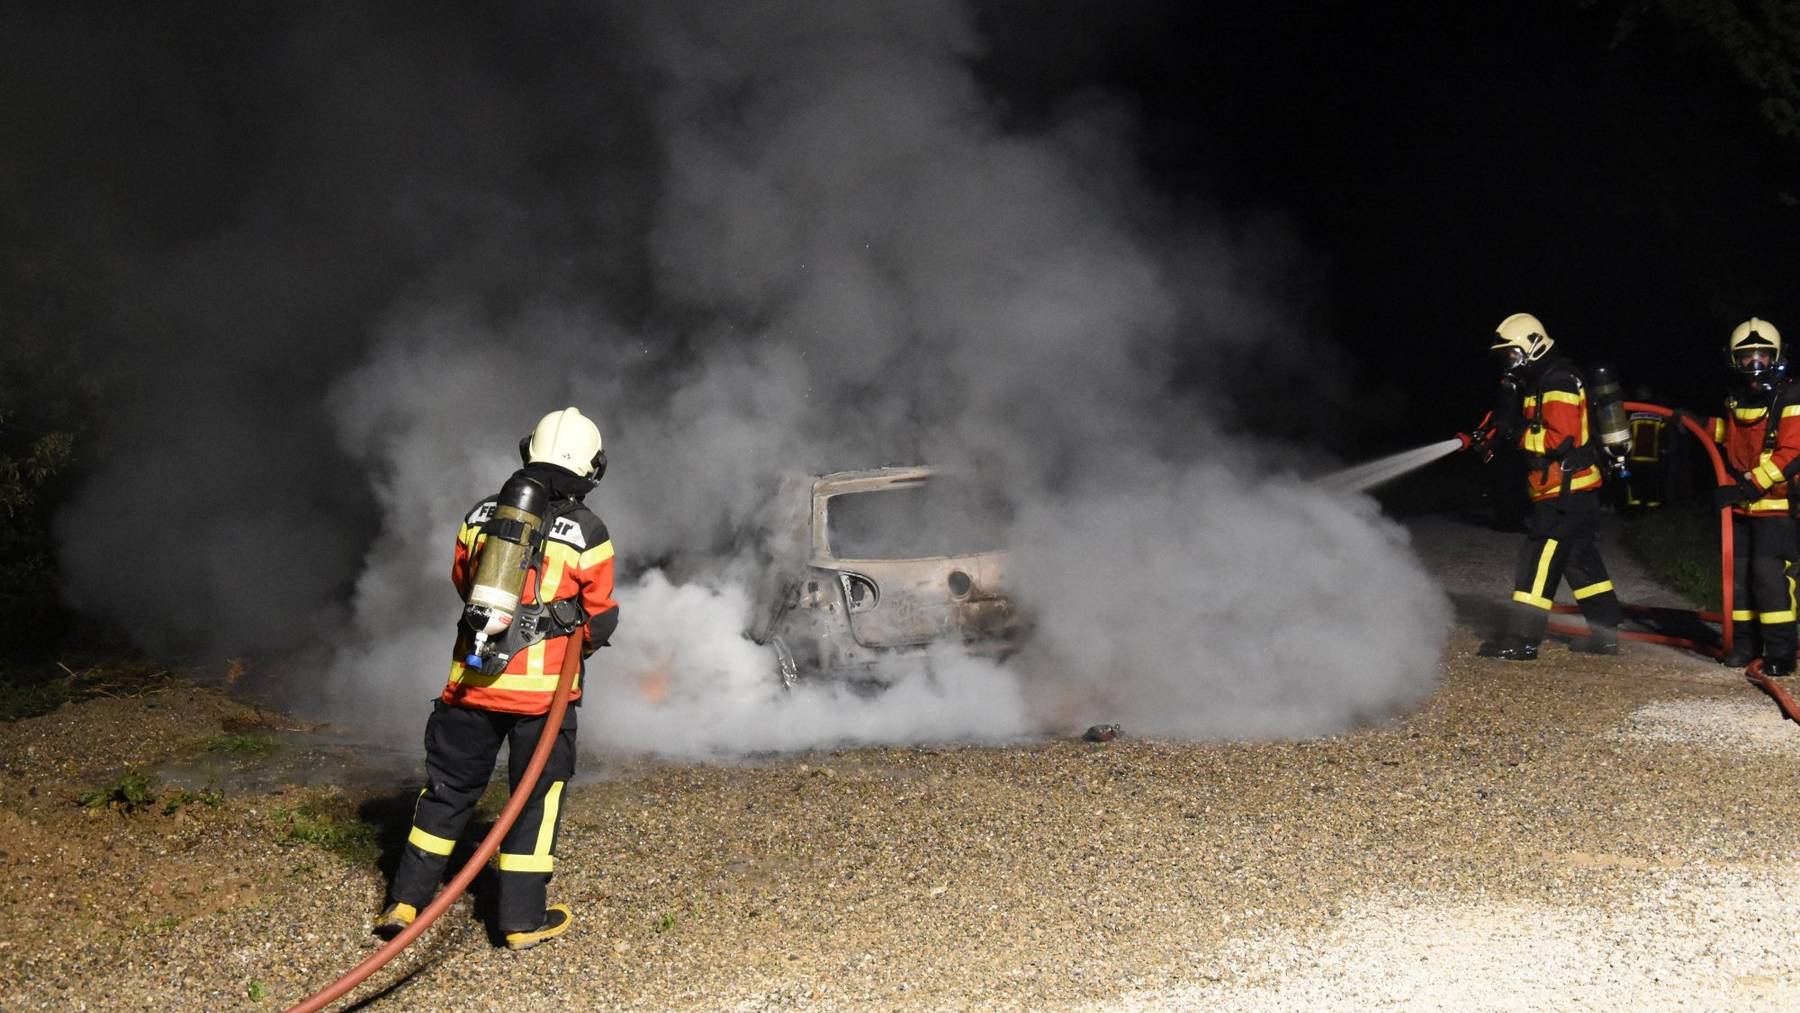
(1583, 833)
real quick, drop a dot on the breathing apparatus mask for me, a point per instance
(1754, 352)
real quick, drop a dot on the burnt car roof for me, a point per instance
(869, 479)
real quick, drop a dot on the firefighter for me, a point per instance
(1543, 408)
(1760, 436)
(569, 588)
(1644, 486)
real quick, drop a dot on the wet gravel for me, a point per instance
(1582, 833)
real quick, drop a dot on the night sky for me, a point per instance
(1449, 164)
(1432, 167)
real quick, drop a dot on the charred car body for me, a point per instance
(894, 559)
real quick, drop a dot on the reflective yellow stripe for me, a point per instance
(430, 843)
(1532, 599)
(1742, 615)
(463, 675)
(1769, 471)
(1560, 397)
(1790, 411)
(1718, 428)
(1776, 617)
(596, 555)
(1592, 479)
(1593, 589)
(1779, 503)
(547, 829)
(1543, 572)
(1533, 443)
(1749, 414)
(540, 859)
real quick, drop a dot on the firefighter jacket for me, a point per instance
(577, 564)
(1743, 434)
(1553, 434)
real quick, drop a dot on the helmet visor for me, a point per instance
(1753, 361)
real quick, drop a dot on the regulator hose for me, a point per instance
(559, 704)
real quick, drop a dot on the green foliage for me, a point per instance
(257, 991)
(29, 461)
(330, 824)
(1680, 548)
(133, 791)
(245, 744)
(25, 694)
(1761, 41)
(212, 798)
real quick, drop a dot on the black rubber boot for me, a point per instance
(1744, 649)
(1778, 668)
(1599, 640)
(1508, 648)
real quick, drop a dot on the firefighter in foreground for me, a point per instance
(535, 568)
(1760, 437)
(1543, 406)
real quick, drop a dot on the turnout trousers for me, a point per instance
(1762, 580)
(460, 746)
(1559, 545)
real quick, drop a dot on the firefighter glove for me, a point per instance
(1737, 494)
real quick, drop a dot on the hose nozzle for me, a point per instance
(1483, 438)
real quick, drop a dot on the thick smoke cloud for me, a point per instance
(751, 239)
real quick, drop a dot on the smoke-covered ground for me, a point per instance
(346, 258)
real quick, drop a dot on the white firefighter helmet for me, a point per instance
(1754, 348)
(567, 439)
(1522, 333)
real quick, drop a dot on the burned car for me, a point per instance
(886, 561)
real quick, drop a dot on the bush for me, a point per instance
(134, 790)
(330, 824)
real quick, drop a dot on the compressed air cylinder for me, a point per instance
(513, 533)
(1607, 402)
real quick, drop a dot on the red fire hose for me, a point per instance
(1726, 559)
(1789, 709)
(559, 703)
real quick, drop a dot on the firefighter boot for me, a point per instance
(1519, 640)
(395, 919)
(557, 919)
(1744, 648)
(1778, 668)
(1508, 647)
(1599, 640)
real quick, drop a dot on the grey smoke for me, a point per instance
(772, 238)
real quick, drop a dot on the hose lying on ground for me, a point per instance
(559, 703)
